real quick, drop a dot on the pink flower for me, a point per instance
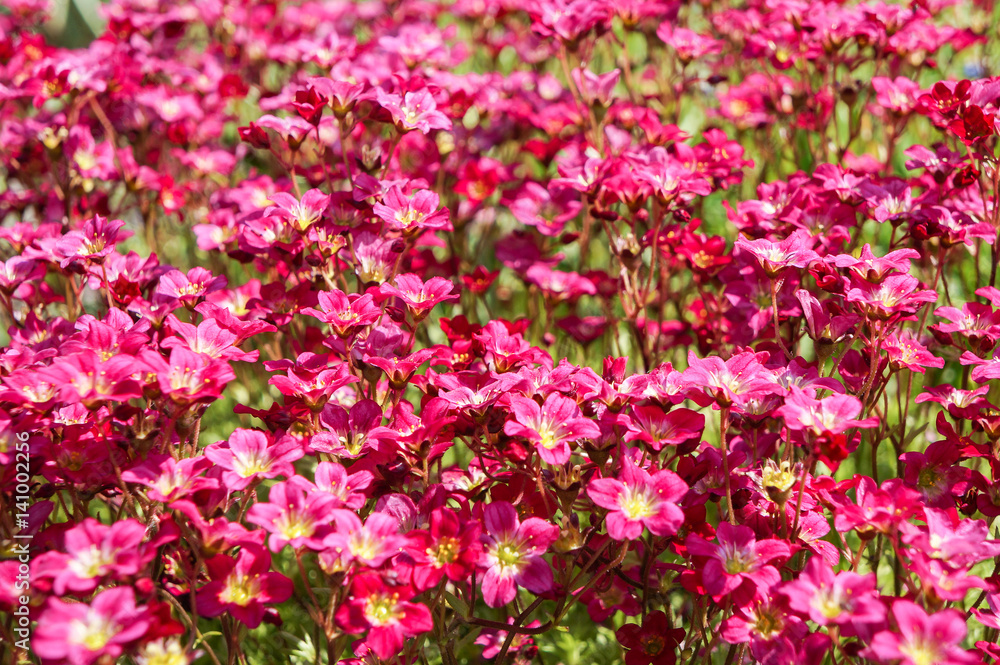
(905, 351)
(450, 547)
(551, 427)
(370, 544)
(898, 95)
(383, 612)
(559, 285)
(738, 559)
(348, 430)
(773, 632)
(831, 415)
(414, 110)
(638, 500)
(874, 269)
(513, 554)
(295, 513)
(191, 287)
(93, 242)
(95, 553)
(419, 296)
(895, 295)
(241, 587)
(16, 271)
(412, 214)
(689, 45)
(795, 251)
(727, 382)
(840, 599)
(82, 633)
(251, 455)
(921, 638)
(659, 428)
(878, 509)
(209, 338)
(333, 478)
(345, 313)
(169, 479)
(301, 214)
(312, 382)
(85, 378)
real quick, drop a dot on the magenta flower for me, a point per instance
(82, 633)
(412, 214)
(414, 110)
(17, 271)
(559, 285)
(795, 251)
(209, 338)
(192, 377)
(314, 387)
(921, 638)
(906, 351)
(189, 288)
(878, 509)
(840, 599)
(639, 499)
(295, 513)
(370, 544)
(93, 242)
(94, 554)
(898, 95)
(551, 427)
(822, 417)
(241, 587)
(348, 430)
(688, 45)
(450, 547)
(513, 555)
(728, 382)
(419, 296)
(333, 478)
(773, 632)
(738, 559)
(251, 455)
(301, 214)
(873, 268)
(83, 377)
(659, 428)
(169, 479)
(383, 612)
(894, 295)
(345, 313)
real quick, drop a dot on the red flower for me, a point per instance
(383, 612)
(655, 642)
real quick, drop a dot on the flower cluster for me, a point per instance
(428, 332)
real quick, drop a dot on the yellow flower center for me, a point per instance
(637, 504)
(381, 610)
(446, 552)
(780, 478)
(93, 633)
(507, 555)
(247, 464)
(240, 590)
(921, 653)
(295, 525)
(548, 439)
(163, 652)
(90, 563)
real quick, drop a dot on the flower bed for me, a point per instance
(546, 332)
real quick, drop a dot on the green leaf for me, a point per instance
(456, 604)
